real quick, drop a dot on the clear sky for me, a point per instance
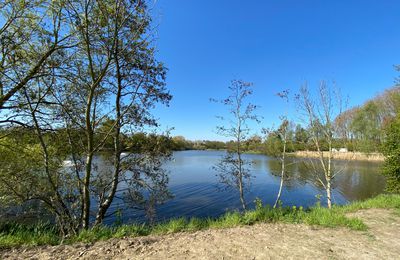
(276, 45)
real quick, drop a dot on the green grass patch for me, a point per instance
(13, 235)
(384, 201)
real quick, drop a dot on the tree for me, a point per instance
(253, 143)
(32, 33)
(319, 113)
(300, 138)
(277, 144)
(232, 168)
(366, 125)
(343, 122)
(362, 127)
(180, 143)
(115, 63)
(102, 92)
(283, 134)
(391, 150)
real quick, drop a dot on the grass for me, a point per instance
(12, 235)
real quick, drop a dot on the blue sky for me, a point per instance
(276, 45)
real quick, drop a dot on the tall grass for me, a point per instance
(12, 234)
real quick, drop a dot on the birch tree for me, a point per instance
(319, 113)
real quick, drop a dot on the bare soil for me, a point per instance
(261, 241)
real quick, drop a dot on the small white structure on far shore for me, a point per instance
(341, 150)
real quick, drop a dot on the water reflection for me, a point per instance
(194, 185)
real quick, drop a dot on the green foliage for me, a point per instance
(258, 203)
(155, 143)
(365, 123)
(301, 138)
(273, 145)
(367, 128)
(391, 150)
(253, 144)
(179, 143)
(212, 145)
(22, 163)
(139, 141)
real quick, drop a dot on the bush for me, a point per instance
(391, 150)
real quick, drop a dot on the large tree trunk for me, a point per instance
(89, 160)
(117, 146)
(86, 192)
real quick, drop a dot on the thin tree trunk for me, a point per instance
(77, 172)
(65, 216)
(283, 164)
(278, 197)
(329, 178)
(329, 194)
(239, 154)
(240, 180)
(241, 194)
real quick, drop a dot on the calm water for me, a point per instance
(195, 186)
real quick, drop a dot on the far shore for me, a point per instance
(346, 156)
(352, 156)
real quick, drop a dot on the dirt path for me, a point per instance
(261, 241)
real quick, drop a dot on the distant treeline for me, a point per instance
(358, 129)
(361, 129)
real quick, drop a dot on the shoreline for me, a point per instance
(349, 229)
(351, 156)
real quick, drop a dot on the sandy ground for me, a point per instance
(261, 241)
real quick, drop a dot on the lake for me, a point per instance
(196, 192)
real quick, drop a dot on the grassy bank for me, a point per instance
(12, 235)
